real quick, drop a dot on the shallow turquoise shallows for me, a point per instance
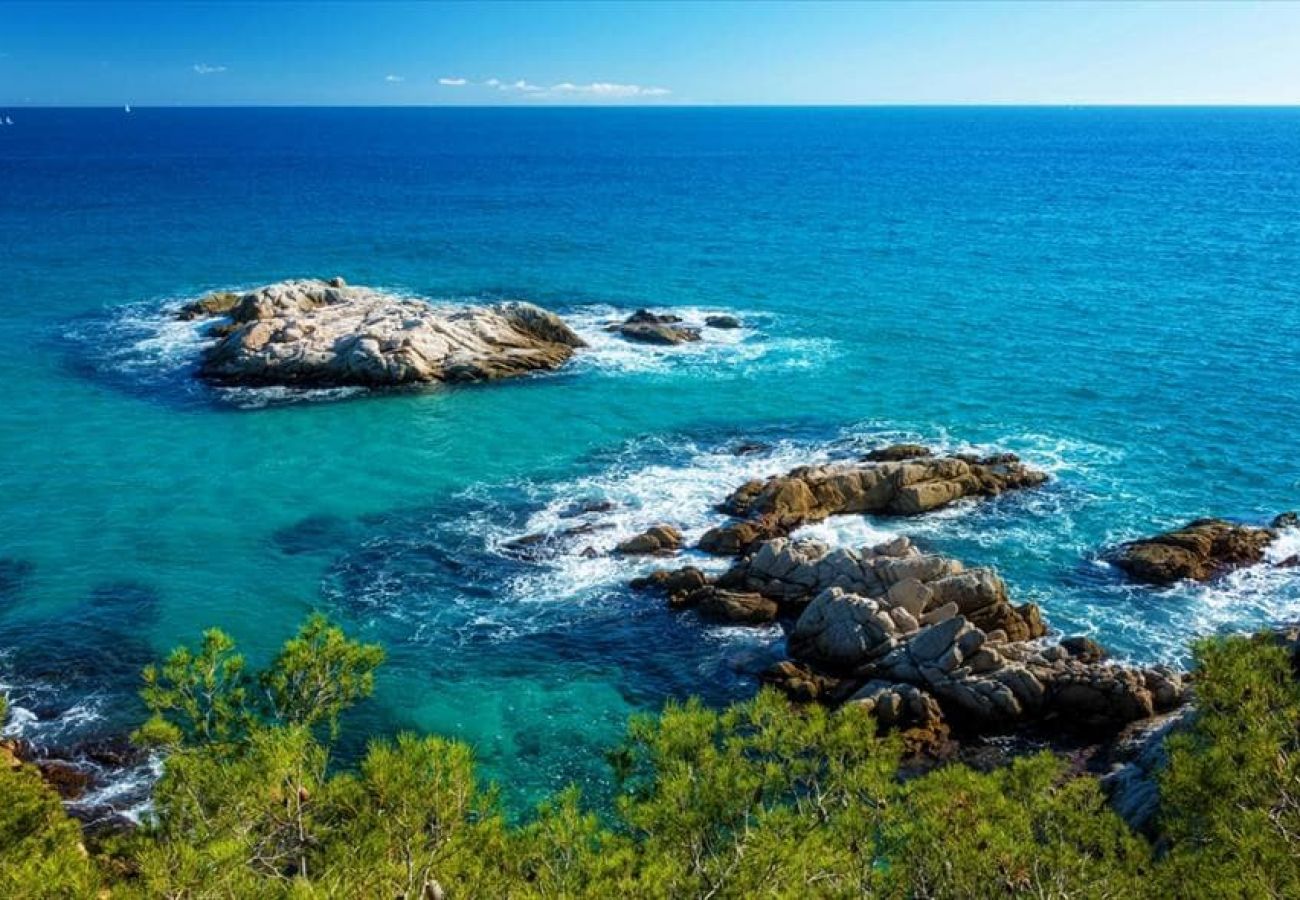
(1113, 294)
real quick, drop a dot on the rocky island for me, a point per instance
(310, 333)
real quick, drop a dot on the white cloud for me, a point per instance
(205, 69)
(492, 82)
(519, 85)
(608, 89)
(452, 82)
(394, 79)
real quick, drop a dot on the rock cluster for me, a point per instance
(920, 639)
(326, 334)
(793, 572)
(1198, 551)
(888, 485)
(646, 327)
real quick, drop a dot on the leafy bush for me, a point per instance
(757, 800)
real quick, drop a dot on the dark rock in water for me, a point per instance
(782, 503)
(585, 507)
(645, 317)
(670, 581)
(14, 576)
(218, 303)
(1198, 551)
(658, 333)
(722, 322)
(659, 540)
(898, 453)
(1287, 520)
(750, 447)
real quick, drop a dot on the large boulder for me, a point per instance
(327, 334)
(1198, 551)
(904, 481)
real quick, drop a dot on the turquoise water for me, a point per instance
(1114, 294)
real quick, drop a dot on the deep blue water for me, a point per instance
(1113, 293)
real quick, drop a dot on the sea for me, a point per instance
(1112, 293)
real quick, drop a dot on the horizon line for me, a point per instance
(665, 106)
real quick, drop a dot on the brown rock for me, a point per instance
(733, 606)
(782, 503)
(658, 540)
(1198, 551)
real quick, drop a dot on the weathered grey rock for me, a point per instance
(780, 504)
(318, 334)
(658, 540)
(1138, 756)
(1198, 551)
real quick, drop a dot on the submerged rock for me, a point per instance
(318, 334)
(1198, 551)
(892, 487)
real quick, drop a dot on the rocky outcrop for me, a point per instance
(646, 327)
(915, 485)
(659, 540)
(1198, 551)
(793, 572)
(1137, 757)
(923, 640)
(326, 334)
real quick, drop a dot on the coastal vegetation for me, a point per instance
(760, 799)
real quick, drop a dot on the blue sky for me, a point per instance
(648, 53)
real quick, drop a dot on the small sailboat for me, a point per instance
(8, 121)
(126, 108)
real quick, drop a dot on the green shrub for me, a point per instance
(758, 800)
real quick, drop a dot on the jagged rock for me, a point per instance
(311, 333)
(658, 540)
(1286, 520)
(780, 504)
(672, 582)
(899, 705)
(1198, 551)
(916, 588)
(1083, 648)
(800, 682)
(734, 606)
(722, 322)
(645, 317)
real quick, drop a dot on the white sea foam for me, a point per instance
(718, 352)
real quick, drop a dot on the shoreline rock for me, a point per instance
(327, 334)
(889, 485)
(1199, 551)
